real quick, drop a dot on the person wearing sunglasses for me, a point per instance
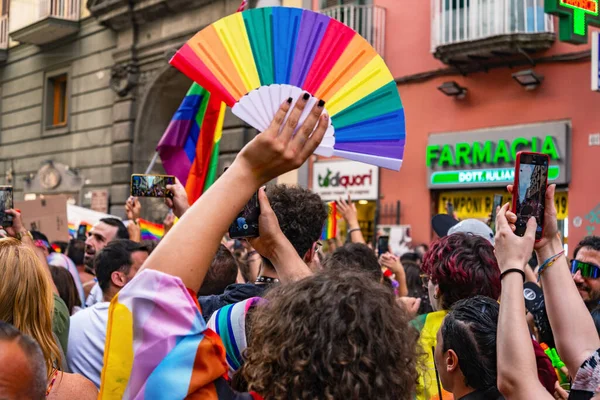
(585, 269)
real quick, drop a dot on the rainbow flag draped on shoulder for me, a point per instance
(189, 148)
(330, 228)
(158, 346)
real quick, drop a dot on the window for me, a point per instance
(56, 110)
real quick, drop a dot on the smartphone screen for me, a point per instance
(6, 203)
(151, 185)
(449, 208)
(383, 245)
(529, 197)
(497, 203)
(82, 232)
(246, 223)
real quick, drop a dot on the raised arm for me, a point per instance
(517, 372)
(273, 245)
(188, 249)
(572, 325)
(348, 211)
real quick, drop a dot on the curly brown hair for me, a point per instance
(334, 335)
(301, 215)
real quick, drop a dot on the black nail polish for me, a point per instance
(290, 100)
(321, 103)
(306, 96)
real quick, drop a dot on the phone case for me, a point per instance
(516, 183)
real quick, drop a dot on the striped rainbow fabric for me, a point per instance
(330, 228)
(158, 346)
(73, 229)
(189, 148)
(428, 387)
(151, 231)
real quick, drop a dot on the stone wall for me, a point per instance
(85, 144)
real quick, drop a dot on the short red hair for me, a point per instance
(463, 265)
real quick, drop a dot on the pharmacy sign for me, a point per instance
(574, 17)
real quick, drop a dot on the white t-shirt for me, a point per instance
(95, 296)
(86, 341)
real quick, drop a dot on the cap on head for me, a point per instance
(474, 227)
(444, 225)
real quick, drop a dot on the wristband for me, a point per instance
(508, 271)
(353, 230)
(548, 263)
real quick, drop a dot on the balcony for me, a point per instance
(3, 37)
(53, 20)
(476, 31)
(368, 21)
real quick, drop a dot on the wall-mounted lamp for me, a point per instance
(528, 79)
(453, 89)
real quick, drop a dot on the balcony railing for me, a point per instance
(368, 21)
(3, 32)
(457, 21)
(63, 9)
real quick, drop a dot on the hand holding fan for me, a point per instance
(256, 59)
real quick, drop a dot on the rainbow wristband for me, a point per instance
(548, 263)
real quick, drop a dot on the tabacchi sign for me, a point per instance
(335, 179)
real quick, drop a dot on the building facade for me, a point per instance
(480, 81)
(87, 92)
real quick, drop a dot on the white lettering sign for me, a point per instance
(335, 179)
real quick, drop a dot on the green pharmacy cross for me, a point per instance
(574, 18)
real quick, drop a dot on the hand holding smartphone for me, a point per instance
(529, 191)
(246, 223)
(383, 245)
(151, 185)
(6, 203)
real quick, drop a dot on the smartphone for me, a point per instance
(151, 185)
(383, 245)
(497, 203)
(6, 203)
(82, 232)
(246, 223)
(529, 191)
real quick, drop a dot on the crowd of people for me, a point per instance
(201, 316)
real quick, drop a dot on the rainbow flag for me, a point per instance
(73, 229)
(159, 347)
(429, 387)
(330, 228)
(151, 231)
(189, 148)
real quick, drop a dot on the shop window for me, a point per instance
(56, 109)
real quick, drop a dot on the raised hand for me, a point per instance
(347, 210)
(133, 208)
(179, 203)
(278, 150)
(511, 250)
(550, 223)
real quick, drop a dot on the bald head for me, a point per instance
(22, 366)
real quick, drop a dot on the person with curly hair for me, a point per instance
(301, 215)
(335, 335)
(456, 267)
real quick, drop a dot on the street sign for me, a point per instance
(574, 17)
(596, 61)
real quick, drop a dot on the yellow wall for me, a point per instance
(84, 13)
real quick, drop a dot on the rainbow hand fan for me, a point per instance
(257, 59)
